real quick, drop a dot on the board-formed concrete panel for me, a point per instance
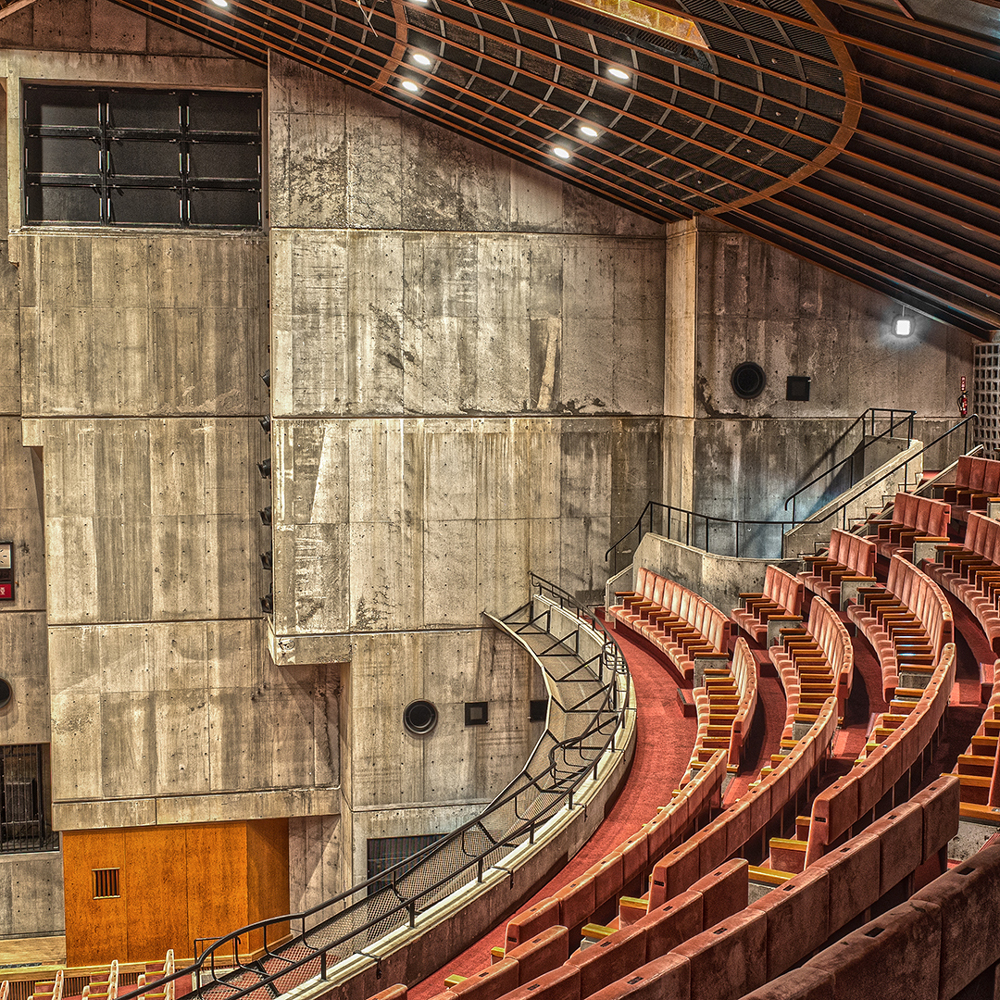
(180, 710)
(125, 324)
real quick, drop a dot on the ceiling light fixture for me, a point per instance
(586, 130)
(221, 3)
(563, 154)
(410, 86)
(420, 59)
(618, 74)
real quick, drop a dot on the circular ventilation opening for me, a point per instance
(5, 692)
(748, 380)
(420, 717)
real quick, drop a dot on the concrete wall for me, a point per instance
(467, 384)
(753, 302)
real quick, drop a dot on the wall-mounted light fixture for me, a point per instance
(264, 468)
(265, 377)
(265, 516)
(267, 560)
(901, 325)
(265, 424)
(267, 604)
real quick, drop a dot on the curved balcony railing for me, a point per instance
(294, 948)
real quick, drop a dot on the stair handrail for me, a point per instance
(901, 465)
(569, 766)
(737, 522)
(908, 419)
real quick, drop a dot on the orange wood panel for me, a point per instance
(216, 879)
(95, 928)
(156, 860)
(267, 873)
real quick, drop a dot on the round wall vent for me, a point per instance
(420, 717)
(748, 380)
(5, 692)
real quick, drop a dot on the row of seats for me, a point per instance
(912, 516)
(778, 606)
(850, 558)
(908, 622)
(978, 769)
(977, 481)
(853, 797)
(48, 989)
(660, 943)
(813, 663)
(576, 902)
(103, 985)
(708, 941)
(726, 704)
(971, 571)
(693, 633)
(934, 945)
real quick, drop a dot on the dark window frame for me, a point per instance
(106, 126)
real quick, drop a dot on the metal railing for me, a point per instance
(688, 520)
(962, 425)
(907, 419)
(692, 528)
(295, 947)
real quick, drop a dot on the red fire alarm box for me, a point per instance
(6, 571)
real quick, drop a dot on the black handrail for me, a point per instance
(908, 419)
(568, 766)
(903, 465)
(651, 505)
(737, 523)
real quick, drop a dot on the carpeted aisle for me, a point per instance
(663, 747)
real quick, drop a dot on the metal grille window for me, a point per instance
(23, 795)
(384, 852)
(121, 157)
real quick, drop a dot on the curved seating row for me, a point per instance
(912, 516)
(665, 946)
(971, 571)
(748, 818)
(576, 902)
(977, 481)
(779, 605)
(813, 663)
(978, 769)
(849, 558)
(851, 798)
(726, 705)
(932, 946)
(907, 622)
(709, 941)
(693, 633)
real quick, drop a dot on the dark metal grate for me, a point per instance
(23, 794)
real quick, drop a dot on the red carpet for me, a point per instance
(664, 739)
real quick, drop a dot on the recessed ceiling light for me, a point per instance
(618, 74)
(563, 154)
(420, 59)
(588, 131)
(221, 3)
(902, 327)
(411, 87)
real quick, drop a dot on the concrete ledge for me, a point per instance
(217, 808)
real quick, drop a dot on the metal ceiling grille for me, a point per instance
(855, 136)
